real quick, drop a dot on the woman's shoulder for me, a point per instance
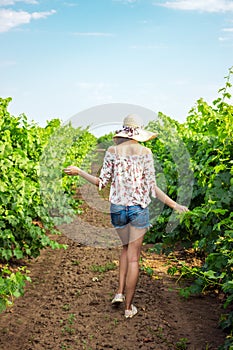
(111, 149)
(139, 150)
(145, 150)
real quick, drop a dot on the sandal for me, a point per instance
(132, 312)
(119, 298)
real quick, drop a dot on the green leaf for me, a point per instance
(18, 253)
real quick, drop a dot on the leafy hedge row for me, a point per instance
(32, 190)
(203, 144)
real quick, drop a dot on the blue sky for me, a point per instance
(61, 57)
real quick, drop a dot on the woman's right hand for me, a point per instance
(71, 170)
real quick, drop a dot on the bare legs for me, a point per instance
(123, 267)
(129, 261)
(133, 254)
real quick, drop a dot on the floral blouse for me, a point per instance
(132, 178)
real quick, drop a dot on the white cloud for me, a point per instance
(144, 21)
(70, 4)
(13, 2)
(147, 47)
(85, 85)
(100, 85)
(39, 15)
(227, 36)
(222, 38)
(10, 18)
(199, 5)
(7, 63)
(227, 29)
(130, 2)
(92, 34)
(96, 92)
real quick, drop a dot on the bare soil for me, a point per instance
(68, 304)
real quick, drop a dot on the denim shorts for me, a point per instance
(135, 215)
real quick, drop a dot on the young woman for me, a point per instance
(130, 168)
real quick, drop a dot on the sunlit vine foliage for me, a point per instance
(208, 227)
(31, 157)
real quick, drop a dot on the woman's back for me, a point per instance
(130, 167)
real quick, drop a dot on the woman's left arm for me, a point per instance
(156, 191)
(168, 201)
(105, 173)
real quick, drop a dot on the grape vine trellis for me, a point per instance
(24, 216)
(208, 227)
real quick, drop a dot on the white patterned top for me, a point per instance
(132, 178)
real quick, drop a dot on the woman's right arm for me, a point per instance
(74, 170)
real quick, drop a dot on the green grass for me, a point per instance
(103, 268)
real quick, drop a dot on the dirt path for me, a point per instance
(68, 306)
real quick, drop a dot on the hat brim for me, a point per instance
(142, 136)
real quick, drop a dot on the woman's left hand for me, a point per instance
(181, 208)
(71, 170)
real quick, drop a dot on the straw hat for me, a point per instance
(133, 129)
